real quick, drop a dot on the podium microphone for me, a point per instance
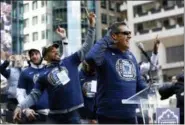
(141, 47)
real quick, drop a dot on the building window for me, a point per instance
(180, 21)
(35, 36)
(47, 18)
(104, 18)
(112, 19)
(43, 3)
(103, 3)
(43, 34)
(111, 5)
(34, 5)
(118, 7)
(26, 38)
(43, 18)
(26, 7)
(34, 20)
(21, 10)
(175, 54)
(47, 34)
(26, 23)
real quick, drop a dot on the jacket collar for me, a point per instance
(36, 66)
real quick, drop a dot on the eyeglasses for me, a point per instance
(124, 33)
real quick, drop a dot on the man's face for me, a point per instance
(53, 54)
(123, 37)
(35, 57)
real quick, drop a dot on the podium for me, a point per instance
(147, 101)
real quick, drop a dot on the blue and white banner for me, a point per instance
(167, 115)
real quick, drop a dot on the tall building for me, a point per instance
(108, 12)
(37, 24)
(41, 18)
(147, 19)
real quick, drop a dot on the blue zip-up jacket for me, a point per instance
(26, 83)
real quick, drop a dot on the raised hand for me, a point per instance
(61, 31)
(156, 45)
(92, 19)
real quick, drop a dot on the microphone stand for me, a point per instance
(151, 81)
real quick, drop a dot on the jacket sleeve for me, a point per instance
(166, 91)
(87, 44)
(21, 88)
(66, 50)
(5, 72)
(34, 96)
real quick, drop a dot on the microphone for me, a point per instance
(141, 47)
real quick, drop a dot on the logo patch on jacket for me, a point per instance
(53, 77)
(126, 69)
(35, 78)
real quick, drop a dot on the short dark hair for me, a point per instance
(114, 28)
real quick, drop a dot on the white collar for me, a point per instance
(36, 66)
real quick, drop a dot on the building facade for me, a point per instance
(41, 18)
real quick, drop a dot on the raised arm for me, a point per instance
(89, 38)
(95, 55)
(64, 42)
(145, 66)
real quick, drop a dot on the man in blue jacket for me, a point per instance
(26, 83)
(118, 76)
(61, 79)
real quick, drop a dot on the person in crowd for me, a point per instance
(38, 112)
(11, 70)
(88, 81)
(12, 75)
(146, 66)
(118, 76)
(61, 80)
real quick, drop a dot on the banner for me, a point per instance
(167, 115)
(6, 27)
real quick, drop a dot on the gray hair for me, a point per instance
(114, 28)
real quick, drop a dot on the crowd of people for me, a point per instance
(84, 87)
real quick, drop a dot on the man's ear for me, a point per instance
(114, 36)
(45, 57)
